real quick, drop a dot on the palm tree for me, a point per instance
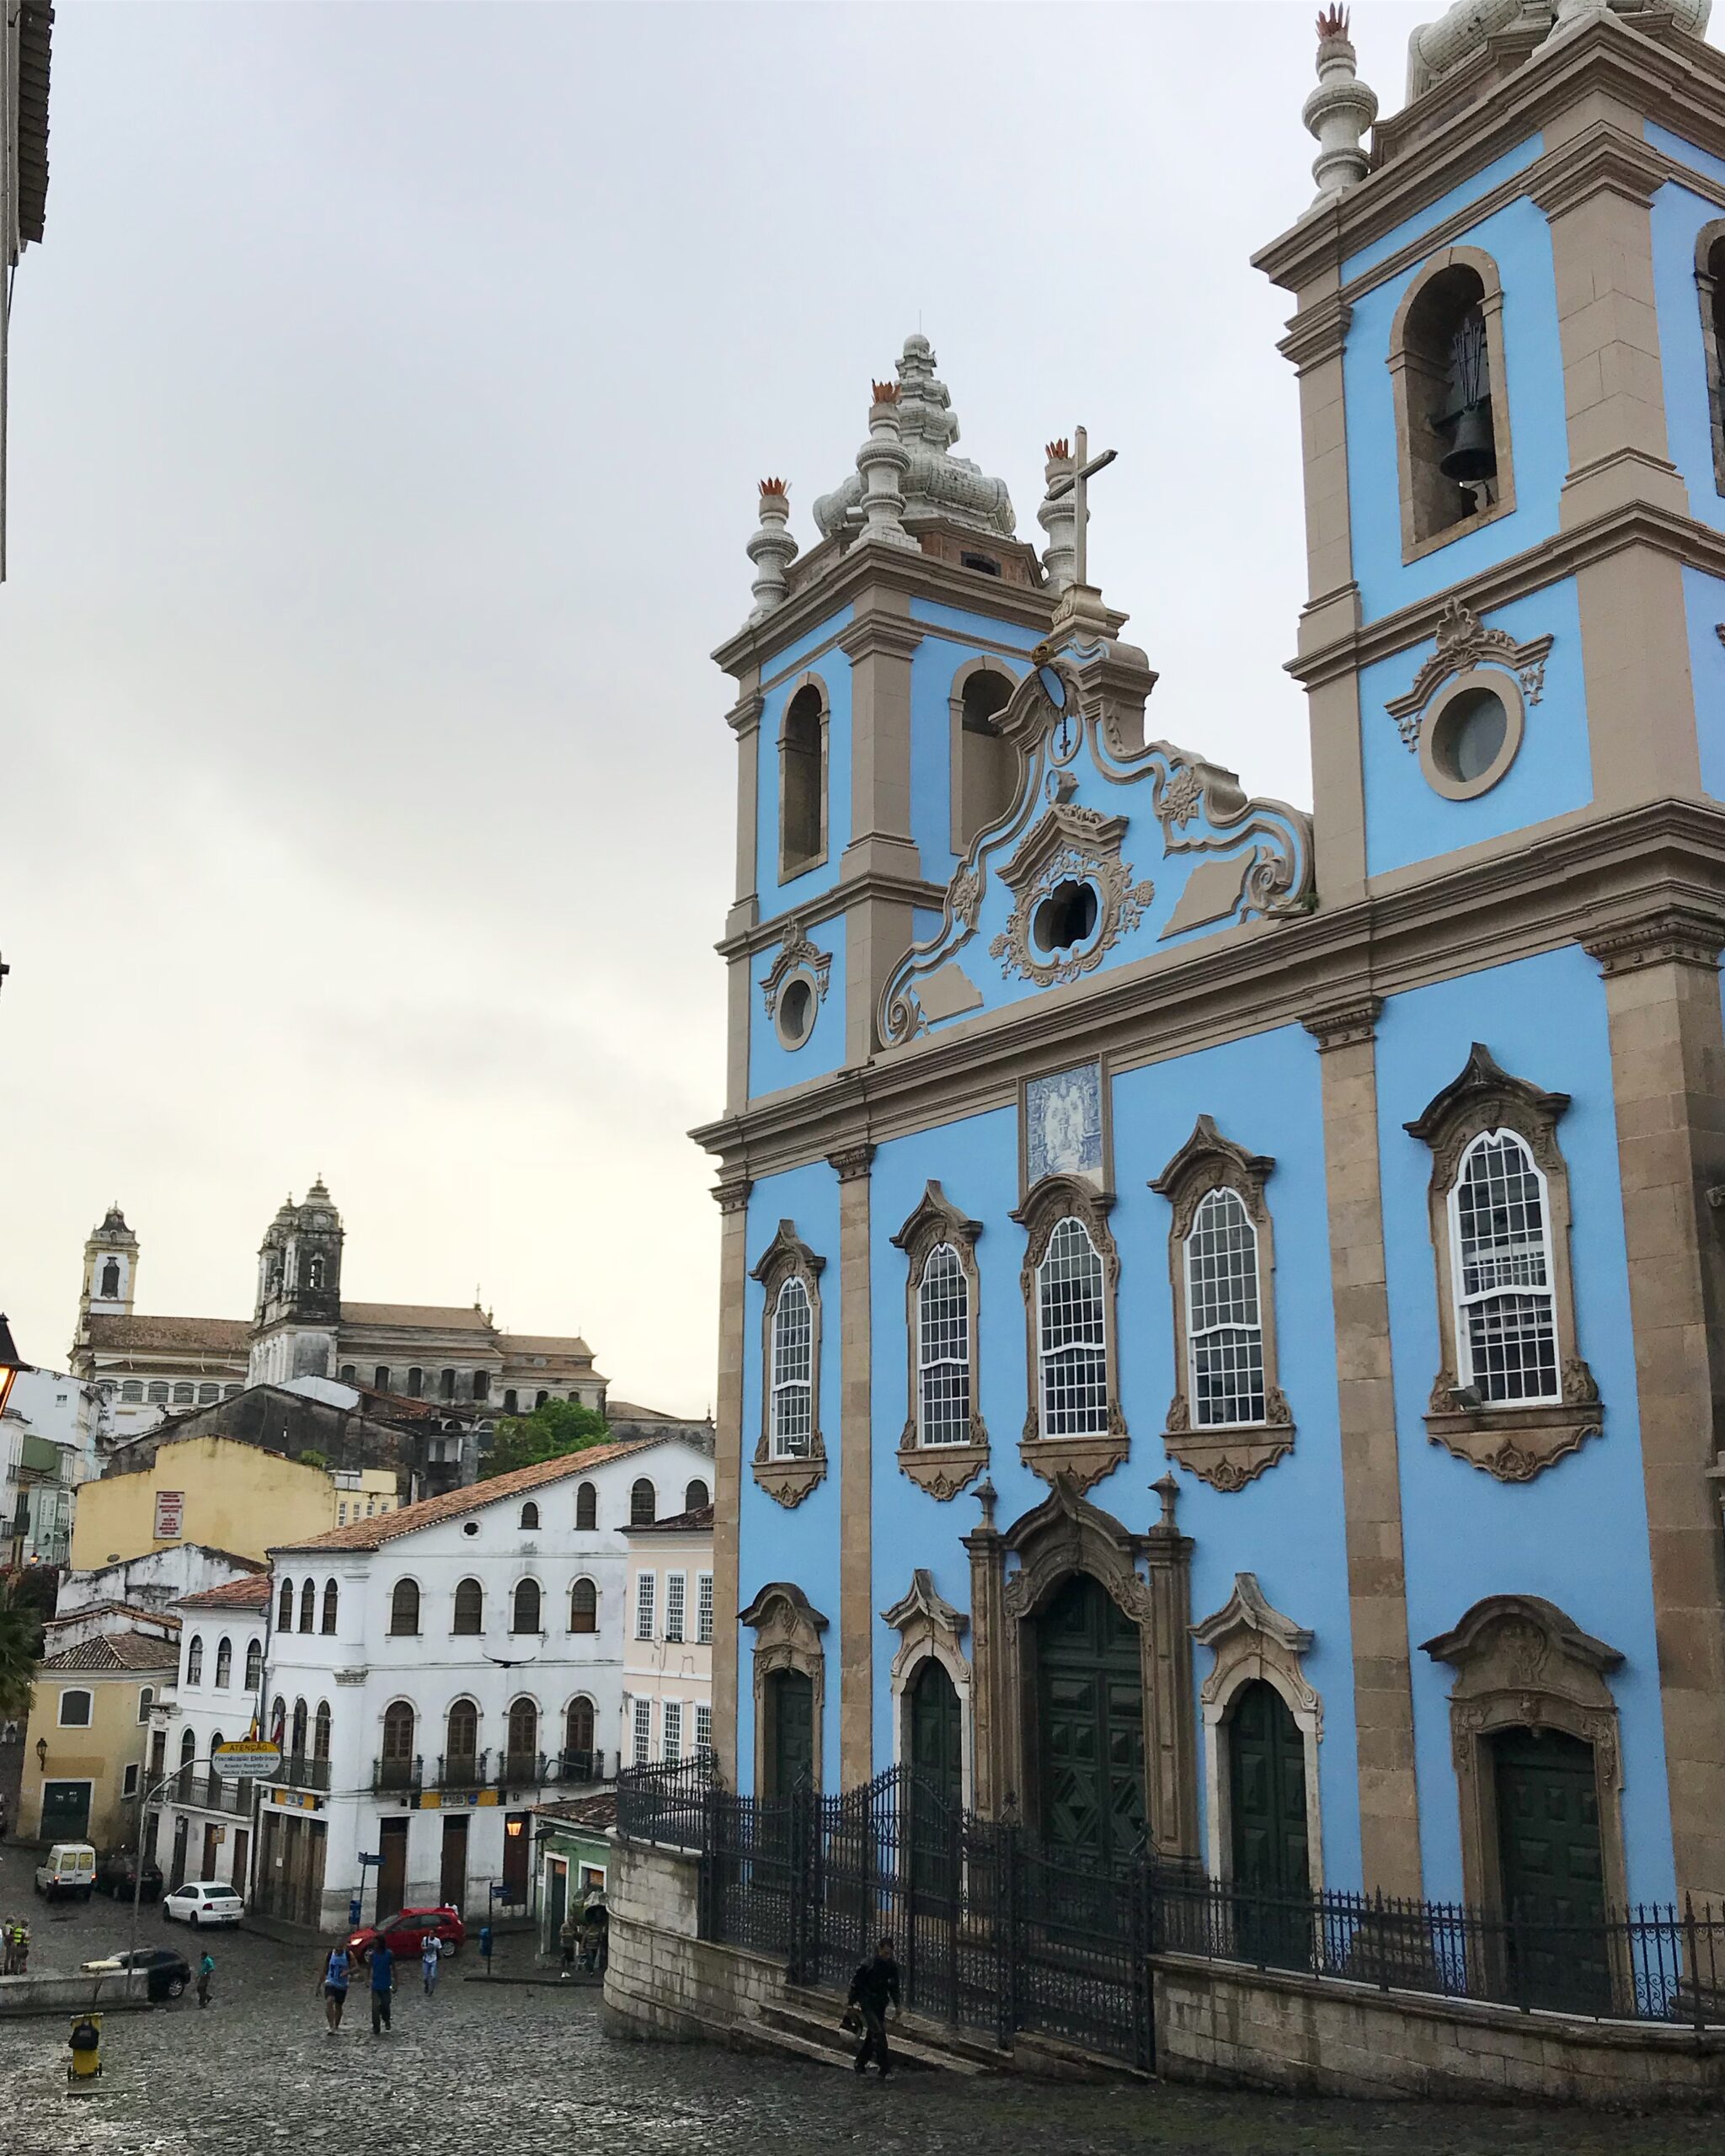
(20, 1644)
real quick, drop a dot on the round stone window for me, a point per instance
(794, 1013)
(1065, 918)
(1471, 734)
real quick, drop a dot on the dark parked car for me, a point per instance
(170, 1973)
(118, 1876)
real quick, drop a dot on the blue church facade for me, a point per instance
(1223, 1312)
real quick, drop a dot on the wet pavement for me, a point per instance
(495, 2069)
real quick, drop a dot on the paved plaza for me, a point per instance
(490, 2068)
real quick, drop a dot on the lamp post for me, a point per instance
(241, 1773)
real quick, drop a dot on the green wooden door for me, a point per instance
(1553, 1877)
(66, 1811)
(937, 1779)
(1089, 1722)
(1271, 1875)
(790, 1705)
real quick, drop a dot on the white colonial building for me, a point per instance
(667, 1703)
(201, 1827)
(433, 1673)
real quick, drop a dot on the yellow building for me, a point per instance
(83, 1757)
(222, 1494)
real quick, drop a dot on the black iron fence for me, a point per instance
(995, 1929)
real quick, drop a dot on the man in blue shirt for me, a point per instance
(382, 1984)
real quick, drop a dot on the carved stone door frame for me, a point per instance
(1014, 1575)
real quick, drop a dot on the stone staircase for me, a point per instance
(805, 2025)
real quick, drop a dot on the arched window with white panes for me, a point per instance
(943, 1350)
(792, 1372)
(1506, 1322)
(1072, 1335)
(1224, 1324)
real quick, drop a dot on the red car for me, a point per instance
(405, 1932)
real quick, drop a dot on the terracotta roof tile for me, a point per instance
(115, 1653)
(250, 1593)
(428, 1315)
(389, 1527)
(103, 1608)
(689, 1523)
(171, 1334)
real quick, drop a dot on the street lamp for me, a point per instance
(11, 1361)
(42, 1754)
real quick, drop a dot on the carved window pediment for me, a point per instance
(1514, 1428)
(788, 1629)
(790, 1459)
(1227, 1455)
(1088, 1454)
(937, 1238)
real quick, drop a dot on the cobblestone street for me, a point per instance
(499, 2065)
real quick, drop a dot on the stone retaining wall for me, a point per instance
(1232, 2027)
(62, 1994)
(1323, 2037)
(661, 1980)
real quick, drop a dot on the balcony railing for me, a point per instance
(461, 1770)
(223, 1793)
(579, 1766)
(398, 1773)
(299, 1772)
(520, 1769)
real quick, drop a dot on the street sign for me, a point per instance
(246, 1755)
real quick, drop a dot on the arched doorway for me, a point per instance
(934, 1749)
(1551, 1864)
(787, 1699)
(1266, 1793)
(1089, 1735)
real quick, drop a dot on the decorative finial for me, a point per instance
(882, 463)
(985, 1496)
(772, 549)
(1059, 517)
(1340, 110)
(1167, 1489)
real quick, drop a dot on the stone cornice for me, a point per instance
(745, 712)
(732, 1197)
(1607, 60)
(1345, 1024)
(832, 906)
(1318, 333)
(851, 1163)
(1682, 936)
(1694, 544)
(871, 635)
(865, 569)
(1560, 887)
(1603, 160)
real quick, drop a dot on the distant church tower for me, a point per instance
(299, 1292)
(111, 1272)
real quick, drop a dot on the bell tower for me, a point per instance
(298, 1312)
(111, 1272)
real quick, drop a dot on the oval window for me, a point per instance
(795, 1012)
(1065, 916)
(1469, 733)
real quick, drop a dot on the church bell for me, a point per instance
(1473, 454)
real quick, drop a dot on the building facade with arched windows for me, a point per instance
(435, 1673)
(1222, 1303)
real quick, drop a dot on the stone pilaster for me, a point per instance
(733, 1197)
(744, 719)
(856, 1473)
(1667, 1071)
(1377, 1592)
(989, 1706)
(1172, 1717)
(877, 927)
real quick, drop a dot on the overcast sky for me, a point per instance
(387, 401)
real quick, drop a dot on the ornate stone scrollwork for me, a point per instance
(1513, 1440)
(1521, 1663)
(1069, 845)
(1226, 1456)
(1083, 1460)
(788, 1629)
(1463, 642)
(796, 955)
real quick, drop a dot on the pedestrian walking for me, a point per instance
(430, 1960)
(337, 1971)
(21, 1946)
(566, 1938)
(596, 1933)
(206, 1971)
(383, 1986)
(9, 1947)
(874, 1989)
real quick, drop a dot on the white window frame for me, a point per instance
(646, 1600)
(1098, 1345)
(703, 1727)
(1464, 1302)
(146, 1699)
(1196, 1337)
(959, 1363)
(671, 1732)
(704, 1609)
(641, 1731)
(75, 1692)
(129, 1782)
(676, 1608)
(793, 1444)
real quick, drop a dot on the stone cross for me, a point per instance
(1085, 468)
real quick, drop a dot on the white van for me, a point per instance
(71, 1869)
